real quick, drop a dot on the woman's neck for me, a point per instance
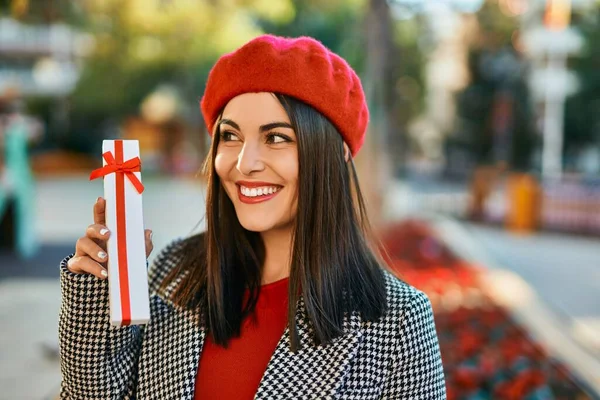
(278, 249)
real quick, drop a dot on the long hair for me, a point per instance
(333, 265)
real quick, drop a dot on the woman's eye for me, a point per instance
(228, 136)
(274, 138)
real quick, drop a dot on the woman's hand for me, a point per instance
(90, 250)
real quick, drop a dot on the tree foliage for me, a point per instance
(139, 45)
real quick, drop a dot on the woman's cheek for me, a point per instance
(221, 165)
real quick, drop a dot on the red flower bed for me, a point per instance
(486, 354)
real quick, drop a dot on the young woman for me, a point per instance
(282, 296)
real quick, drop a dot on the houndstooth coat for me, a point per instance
(397, 357)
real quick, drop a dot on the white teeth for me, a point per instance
(261, 191)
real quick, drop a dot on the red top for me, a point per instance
(236, 372)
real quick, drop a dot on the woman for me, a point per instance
(281, 297)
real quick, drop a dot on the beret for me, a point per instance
(302, 68)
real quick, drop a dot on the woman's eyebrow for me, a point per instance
(273, 125)
(230, 123)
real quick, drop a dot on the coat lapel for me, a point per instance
(171, 352)
(174, 340)
(313, 371)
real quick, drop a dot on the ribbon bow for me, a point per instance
(128, 168)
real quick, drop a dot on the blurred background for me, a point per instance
(481, 166)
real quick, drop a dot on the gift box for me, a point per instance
(127, 273)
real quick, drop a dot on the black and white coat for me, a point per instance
(397, 357)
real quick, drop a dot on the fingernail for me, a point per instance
(104, 273)
(103, 231)
(98, 199)
(151, 233)
(101, 254)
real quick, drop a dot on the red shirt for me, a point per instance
(236, 372)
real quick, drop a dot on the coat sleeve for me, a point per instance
(416, 370)
(98, 360)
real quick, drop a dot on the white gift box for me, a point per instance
(126, 247)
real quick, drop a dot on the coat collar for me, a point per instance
(287, 374)
(300, 375)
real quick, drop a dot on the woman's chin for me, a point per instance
(256, 225)
(259, 225)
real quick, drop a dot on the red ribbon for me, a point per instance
(115, 164)
(128, 168)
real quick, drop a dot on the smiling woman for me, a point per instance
(256, 160)
(282, 296)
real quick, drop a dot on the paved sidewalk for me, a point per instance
(565, 270)
(29, 367)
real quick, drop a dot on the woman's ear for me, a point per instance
(346, 152)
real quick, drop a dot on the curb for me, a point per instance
(512, 292)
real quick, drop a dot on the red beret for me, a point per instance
(298, 67)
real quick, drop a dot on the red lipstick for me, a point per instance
(254, 184)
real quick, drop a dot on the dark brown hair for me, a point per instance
(333, 267)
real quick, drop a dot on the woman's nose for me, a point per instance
(250, 159)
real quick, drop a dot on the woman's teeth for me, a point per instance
(260, 191)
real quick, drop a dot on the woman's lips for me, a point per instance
(255, 199)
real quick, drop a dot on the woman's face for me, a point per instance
(257, 161)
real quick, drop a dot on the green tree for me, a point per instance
(140, 44)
